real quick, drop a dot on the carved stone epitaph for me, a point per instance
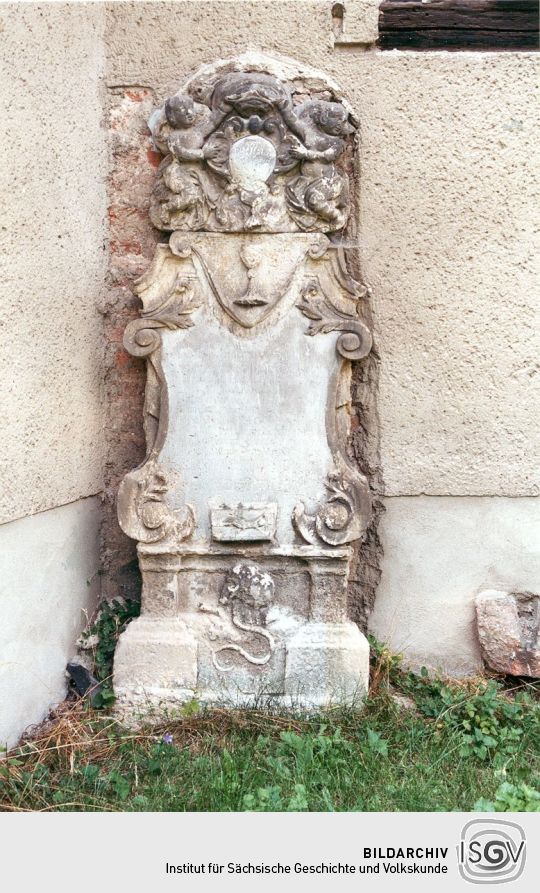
(247, 504)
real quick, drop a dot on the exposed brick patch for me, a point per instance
(132, 246)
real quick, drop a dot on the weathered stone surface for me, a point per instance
(509, 631)
(155, 657)
(249, 323)
(242, 155)
(327, 664)
(187, 294)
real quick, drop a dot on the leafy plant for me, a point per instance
(377, 743)
(486, 720)
(272, 799)
(112, 619)
(120, 785)
(511, 798)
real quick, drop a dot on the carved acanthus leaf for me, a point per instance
(169, 295)
(355, 342)
(143, 512)
(342, 518)
(174, 311)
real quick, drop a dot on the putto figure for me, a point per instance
(182, 126)
(201, 186)
(320, 194)
(180, 130)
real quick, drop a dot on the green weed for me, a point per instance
(111, 621)
(511, 798)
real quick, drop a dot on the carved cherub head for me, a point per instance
(331, 117)
(180, 111)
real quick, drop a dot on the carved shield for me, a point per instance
(251, 276)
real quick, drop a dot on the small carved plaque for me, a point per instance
(246, 521)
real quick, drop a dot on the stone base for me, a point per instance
(159, 666)
(155, 663)
(327, 664)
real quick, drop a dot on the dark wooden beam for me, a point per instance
(459, 24)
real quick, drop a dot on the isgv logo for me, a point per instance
(491, 851)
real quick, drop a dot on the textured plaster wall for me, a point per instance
(52, 245)
(448, 200)
(447, 197)
(53, 266)
(48, 586)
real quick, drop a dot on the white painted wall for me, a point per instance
(439, 553)
(49, 584)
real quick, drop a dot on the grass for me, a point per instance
(384, 758)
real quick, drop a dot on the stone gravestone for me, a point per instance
(247, 503)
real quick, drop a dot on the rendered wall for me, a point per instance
(446, 201)
(439, 553)
(49, 586)
(52, 245)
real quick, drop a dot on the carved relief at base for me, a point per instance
(248, 593)
(244, 522)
